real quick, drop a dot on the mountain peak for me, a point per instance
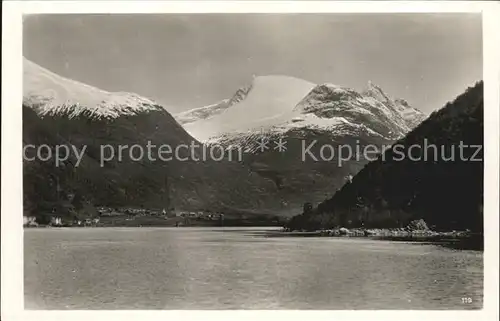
(463, 124)
(263, 102)
(376, 91)
(48, 94)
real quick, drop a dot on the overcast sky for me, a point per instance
(187, 61)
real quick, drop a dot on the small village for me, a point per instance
(134, 213)
(57, 221)
(110, 214)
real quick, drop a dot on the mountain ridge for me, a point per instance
(50, 94)
(58, 110)
(195, 120)
(69, 189)
(390, 193)
(326, 113)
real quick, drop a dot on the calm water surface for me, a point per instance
(240, 268)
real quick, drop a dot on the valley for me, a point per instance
(264, 186)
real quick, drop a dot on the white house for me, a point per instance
(29, 221)
(56, 221)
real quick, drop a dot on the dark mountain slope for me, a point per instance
(447, 194)
(154, 184)
(323, 115)
(61, 111)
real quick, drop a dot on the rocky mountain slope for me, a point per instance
(301, 113)
(372, 108)
(441, 185)
(51, 95)
(282, 102)
(212, 110)
(60, 111)
(266, 101)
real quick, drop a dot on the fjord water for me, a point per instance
(241, 268)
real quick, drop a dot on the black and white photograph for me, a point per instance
(253, 161)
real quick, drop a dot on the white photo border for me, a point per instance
(12, 298)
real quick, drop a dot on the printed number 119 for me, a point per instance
(466, 300)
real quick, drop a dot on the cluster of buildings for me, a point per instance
(167, 213)
(201, 215)
(129, 213)
(87, 222)
(109, 211)
(30, 221)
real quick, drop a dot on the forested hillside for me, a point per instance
(442, 185)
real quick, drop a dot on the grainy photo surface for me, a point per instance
(253, 161)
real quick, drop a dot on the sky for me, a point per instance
(184, 61)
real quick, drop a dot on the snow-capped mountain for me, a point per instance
(280, 103)
(371, 108)
(60, 111)
(212, 110)
(57, 110)
(298, 112)
(393, 192)
(51, 94)
(267, 101)
(202, 112)
(412, 116)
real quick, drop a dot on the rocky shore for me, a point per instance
(398, 232)
(360, 232)
(415, 229)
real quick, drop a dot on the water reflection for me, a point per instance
(237, 268)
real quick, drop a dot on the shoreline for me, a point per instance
(379, 233)
(459, 240)
(456, 240)
(339, 232)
